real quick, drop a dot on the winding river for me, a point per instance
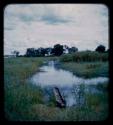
(51, 75)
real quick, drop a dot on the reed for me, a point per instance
(85, 56)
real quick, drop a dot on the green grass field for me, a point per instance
(24, 101)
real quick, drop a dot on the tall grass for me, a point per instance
(94, 109)
(87, 69)
(25, 102)
(19, 95)
(84, 56)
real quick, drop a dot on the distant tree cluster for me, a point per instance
(57, 50)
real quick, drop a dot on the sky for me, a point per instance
(84, 26)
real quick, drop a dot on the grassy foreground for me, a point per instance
(19, 95)
(24, 102)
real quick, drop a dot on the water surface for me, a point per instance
(70, 85)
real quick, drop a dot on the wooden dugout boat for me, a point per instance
(60, 102)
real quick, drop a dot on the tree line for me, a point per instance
(57, 50)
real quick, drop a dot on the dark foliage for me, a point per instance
(58, 50)
(100, 49)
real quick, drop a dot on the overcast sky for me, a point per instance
(43, 25)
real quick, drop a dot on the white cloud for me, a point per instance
(35, 25)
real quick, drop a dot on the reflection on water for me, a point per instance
(51, 75)
(69, 84)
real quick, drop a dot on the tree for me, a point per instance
(58, 50)
(48, 51)
(42, 51)
(30, 52)
(15, 53)
(73, 50)
(100, 48)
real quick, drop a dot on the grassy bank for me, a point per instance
(86, 64)
(19, 95)
(95, 109)
(85, 56)
(24, 101)
(87, 69)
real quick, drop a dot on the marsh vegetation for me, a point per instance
(26, 102)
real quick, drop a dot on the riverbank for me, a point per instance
(19, 95)
(25, 102)
(87, 69)
(86, 64)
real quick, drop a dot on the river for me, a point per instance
(70, 85)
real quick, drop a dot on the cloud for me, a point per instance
(36, 25)
(53, 19)
(51, 14)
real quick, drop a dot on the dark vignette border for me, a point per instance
(3, 4)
